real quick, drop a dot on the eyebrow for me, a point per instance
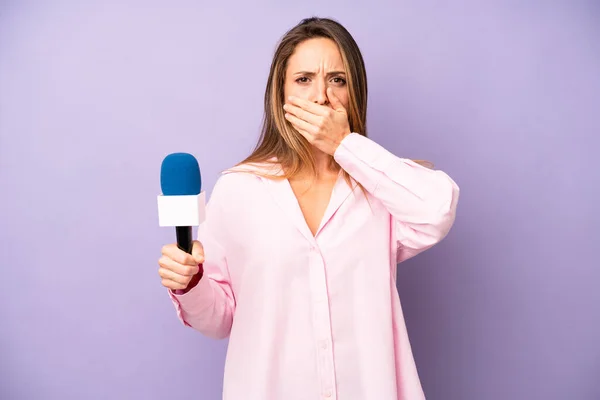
(309, 73)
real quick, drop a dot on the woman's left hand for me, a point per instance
(323, 126)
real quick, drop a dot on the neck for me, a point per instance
(322, 161)
(323, 166)
(324, 169)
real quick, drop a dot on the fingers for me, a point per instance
(171, 278)
(198, 252)
(179, 269)
(173, 285)
(304, 115)
(301, 125)
(174, 275)
(309, 106)
(176, 254)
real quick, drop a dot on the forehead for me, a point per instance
(314, 52)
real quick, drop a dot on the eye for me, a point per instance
(339, 80)
(302, 79)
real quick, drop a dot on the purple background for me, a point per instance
(503, 96)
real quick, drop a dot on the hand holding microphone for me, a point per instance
(178, 269)
(181, 205)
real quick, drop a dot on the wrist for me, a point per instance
(339, 142)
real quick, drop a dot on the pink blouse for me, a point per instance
(317, 317)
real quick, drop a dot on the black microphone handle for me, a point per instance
(185, 243)
(184, 238)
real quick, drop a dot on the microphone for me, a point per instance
(182, 202)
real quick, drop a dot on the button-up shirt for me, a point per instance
(317, 316)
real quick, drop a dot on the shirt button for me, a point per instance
(327, 395)
(324, 345)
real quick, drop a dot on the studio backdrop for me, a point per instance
(503, 96)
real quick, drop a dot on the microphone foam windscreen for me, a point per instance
(180, 175)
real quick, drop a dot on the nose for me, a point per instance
(320, 92)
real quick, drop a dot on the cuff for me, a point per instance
(200, 295)
(357, 152)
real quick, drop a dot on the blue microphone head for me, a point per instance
(180, 175)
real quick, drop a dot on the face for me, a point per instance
(316, 65)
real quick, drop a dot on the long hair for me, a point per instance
(280, 144)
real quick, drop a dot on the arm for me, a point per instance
(422, 201)
(209, 306)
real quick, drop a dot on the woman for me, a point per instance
(298, 253)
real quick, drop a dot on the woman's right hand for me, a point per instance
(178, 268)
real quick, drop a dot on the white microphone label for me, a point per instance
(181, 210)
